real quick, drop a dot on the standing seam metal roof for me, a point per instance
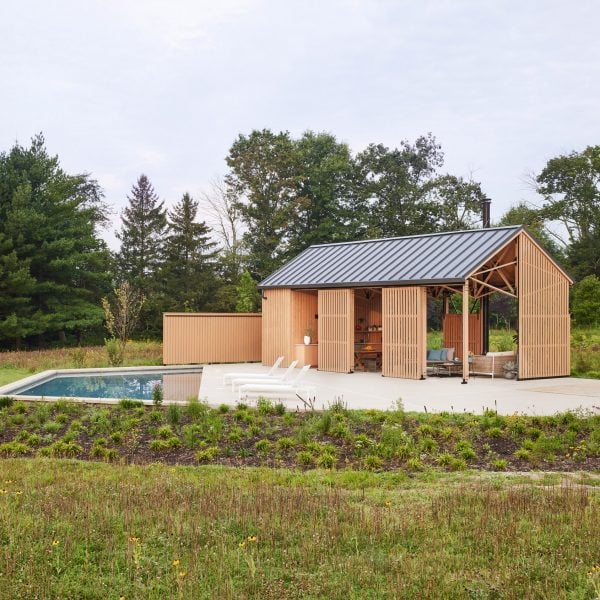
(418, 259)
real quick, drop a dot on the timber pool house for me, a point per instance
(367, 301)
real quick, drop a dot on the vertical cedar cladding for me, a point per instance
(404, 316)
(277, 326)
(544, 321)
(452, 329)
(193, 338)
(336, 330)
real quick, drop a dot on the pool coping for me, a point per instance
(11, 389)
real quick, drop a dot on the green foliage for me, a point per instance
(569, 186)
(248, 297)
(187, 274)
(14, 448)
(157, 395)
(208, 454)
(585, 302)
(54, 266)
(127, 403)
(174, 414)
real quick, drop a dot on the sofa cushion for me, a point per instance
(449, 353)
(434, 355)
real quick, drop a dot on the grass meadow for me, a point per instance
(16, 365)
(72, 529)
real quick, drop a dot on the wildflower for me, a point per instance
(252, 538)
(18, 492)
(182, 574)
(55, 542)
(134, 540)
(8, 481)
(388, 503)
(2, 491)
(242, 544)
(176, 562)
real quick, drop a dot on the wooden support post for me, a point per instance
(465, 332)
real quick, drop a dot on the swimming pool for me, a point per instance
(177, 384)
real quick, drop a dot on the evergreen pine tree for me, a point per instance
(141, 236)
(51, 248)
(188, 273)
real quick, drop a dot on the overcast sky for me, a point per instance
(163, 87)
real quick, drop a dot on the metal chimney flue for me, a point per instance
(485, 212)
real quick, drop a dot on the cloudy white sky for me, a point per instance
(163, 87)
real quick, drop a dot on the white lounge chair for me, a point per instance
(275, 389)
(235, 383)
(229, 376)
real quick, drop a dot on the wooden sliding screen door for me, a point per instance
(544, 319)
(404, 321)
(336, 330)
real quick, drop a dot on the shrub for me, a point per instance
(264, 406)
(164, 432)
(223, 408)
(414, 464)
(499, 464)
(280, 408)
(196, 409)
(127, 403)
(114, 352)
(236, 434)
(61, 449)
(263, 445)
(157, 394)
(285, 443)
(12, 449)
(207, 454)
(428, 444)
(304, 458)
(52, 427)
(174, 442)
(155, 416)
(457, 464)
(158, 445)
(6, 402)
(372, 462)
(340, 430)
(19, 407)
(523, 454)
(465, 450)
(116, 437)
(174, 414)
(494, 432)
(326, 460)
(445, 459)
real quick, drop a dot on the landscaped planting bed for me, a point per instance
(267, 435)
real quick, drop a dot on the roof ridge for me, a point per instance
(416, 235)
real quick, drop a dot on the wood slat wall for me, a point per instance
(277, 326)
(304, 311)
(452, 332)
(404, 314)
(544, 321)
(336, 330)
(195, 338)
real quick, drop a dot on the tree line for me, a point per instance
(279, 195)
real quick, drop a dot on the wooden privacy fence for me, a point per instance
(195, 338)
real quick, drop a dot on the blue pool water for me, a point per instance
(137, 386)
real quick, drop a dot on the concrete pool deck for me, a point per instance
(434, 394)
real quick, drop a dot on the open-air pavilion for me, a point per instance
(367, 302)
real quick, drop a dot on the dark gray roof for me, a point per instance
(416, 259)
